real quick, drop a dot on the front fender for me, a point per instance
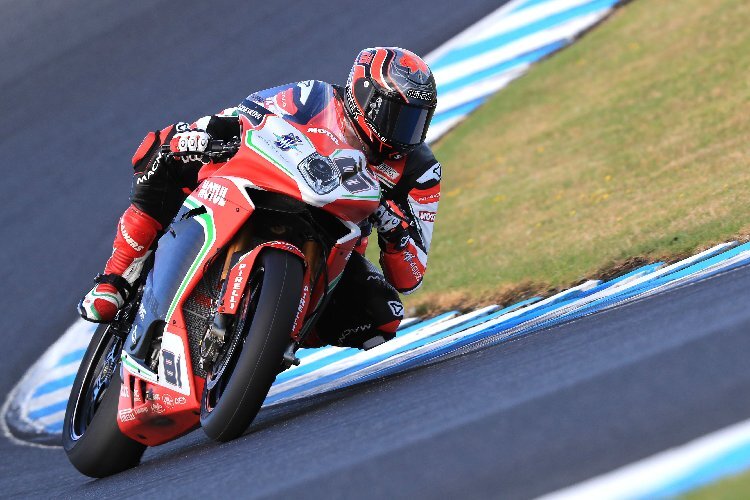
(240, 274)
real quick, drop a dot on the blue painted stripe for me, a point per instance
(54, 428)
(420, 358)
(527, 58)
(72, 357)
(480, 47)
(48, 410)
(730, 463)
(54, 385)
(412, 345)
(461, 110)
(346, 353)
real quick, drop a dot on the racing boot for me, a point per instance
(135, 233)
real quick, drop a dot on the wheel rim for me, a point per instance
(105, 362)
(221, 373)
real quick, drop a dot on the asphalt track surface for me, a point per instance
(81, 83)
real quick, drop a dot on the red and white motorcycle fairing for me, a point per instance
(312, 163)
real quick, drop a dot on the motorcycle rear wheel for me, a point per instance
(91, 437)
(255, 347)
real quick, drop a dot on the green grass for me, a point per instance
(732, 488)
(633, 142)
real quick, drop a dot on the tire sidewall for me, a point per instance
(102, 450)
(267, 338)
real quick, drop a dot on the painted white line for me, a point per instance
(520, 19)
(485, 60)
(51, 418)
(57, 372)
(466, 35)
(320, 353)
(378, 351)
(75, 337)
(48, 399)
(658, 473)
(479, 89)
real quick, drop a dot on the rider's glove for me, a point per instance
(392, 226)
(190, 141)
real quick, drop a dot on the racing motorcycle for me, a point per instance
(234, 285)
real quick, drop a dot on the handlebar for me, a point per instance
(216, 150)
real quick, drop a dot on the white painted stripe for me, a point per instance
(48, 399)
(363, 356)
(76, 337)
(51, 418)
(645, 478)
(376, 366)
(437, 130)
(512, 50)
(489, 324)
(319, 354)
(463, 37)
(57, 372)
(520, 19)
(408, 322)
(482, 88)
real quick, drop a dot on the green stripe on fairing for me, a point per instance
(209, 229)
(259, 150)
(336, 281)
(360, 197)
(141, 371)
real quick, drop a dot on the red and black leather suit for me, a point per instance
(365, 303)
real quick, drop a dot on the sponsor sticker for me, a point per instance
(424, 95)
(388, 171)
(171, 368)
(397, 308)
(213, 192)
(126, 415)
(324, 131)
(427, 216)
(287, 141)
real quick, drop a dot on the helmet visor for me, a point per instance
(398, 122)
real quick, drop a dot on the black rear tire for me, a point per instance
(268, 309)
(91, 436)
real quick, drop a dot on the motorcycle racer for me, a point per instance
(386, 106)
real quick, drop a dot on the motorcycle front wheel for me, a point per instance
(91, 436)
(242, 375)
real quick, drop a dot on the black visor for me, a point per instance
(397, 122)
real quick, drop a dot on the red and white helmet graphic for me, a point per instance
(391, 96)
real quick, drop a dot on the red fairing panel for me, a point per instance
(240, 274)
(149, 411)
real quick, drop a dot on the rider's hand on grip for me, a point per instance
(188, 142)
(391, 225)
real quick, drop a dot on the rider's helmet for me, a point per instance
(390, 96)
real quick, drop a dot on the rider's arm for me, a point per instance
(404, 257)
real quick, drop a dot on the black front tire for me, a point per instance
(91, 436)
(264, 336)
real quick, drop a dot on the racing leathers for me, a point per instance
(364, 309)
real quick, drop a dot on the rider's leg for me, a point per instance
(135, 233)
(156, 197)
(365, 309)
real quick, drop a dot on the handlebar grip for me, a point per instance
(216, 148)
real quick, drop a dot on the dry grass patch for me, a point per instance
(634, 142)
